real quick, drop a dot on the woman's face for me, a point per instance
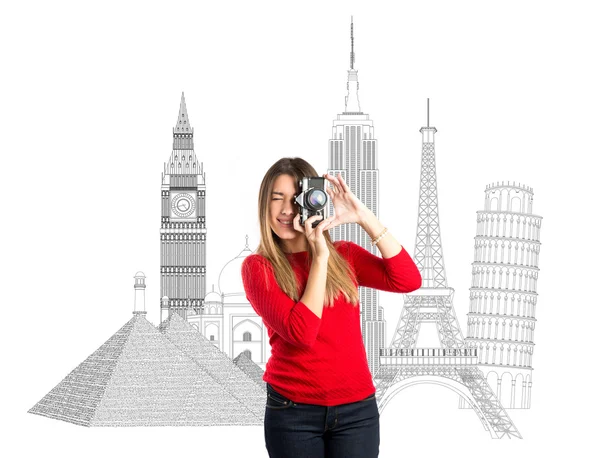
(282, 210)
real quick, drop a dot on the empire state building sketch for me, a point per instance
(353, 154)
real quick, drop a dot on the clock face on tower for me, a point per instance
(183, 205)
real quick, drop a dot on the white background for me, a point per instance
(89, 97)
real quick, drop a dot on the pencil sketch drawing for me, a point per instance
(226, 317)
(453, 363)
(503, 295)
(178, 374)
(183, 226)
(204, 364)
(140, 377)
(353, 153)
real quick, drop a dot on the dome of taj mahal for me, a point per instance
(230, 278)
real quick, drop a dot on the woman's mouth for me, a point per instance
(286, 223)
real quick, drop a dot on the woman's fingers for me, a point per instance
(334, 187)
(308, 229)
(334, 183)
(308, 223)
(329, 223)
(297, 223)
(323, 226)
(329, 192)
(342, 182)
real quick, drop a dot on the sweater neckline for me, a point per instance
(297, 254)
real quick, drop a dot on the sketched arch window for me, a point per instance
(515, 204)
(494, 204)
(247, 336)
(248, 354)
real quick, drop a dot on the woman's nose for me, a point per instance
(288, 207)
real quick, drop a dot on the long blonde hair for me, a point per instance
(340, 276)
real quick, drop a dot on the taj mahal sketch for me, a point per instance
(212, 346)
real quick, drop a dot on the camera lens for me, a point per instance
(316, 198)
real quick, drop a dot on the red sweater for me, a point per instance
(321, 360)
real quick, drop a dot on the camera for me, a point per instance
(312, 199)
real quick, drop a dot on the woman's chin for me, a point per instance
(287, 235)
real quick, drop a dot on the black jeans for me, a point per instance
(294, 430)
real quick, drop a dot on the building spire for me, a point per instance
(183, 132)
(428, 132)
(183, 123)
(352, 103)
(351, 42)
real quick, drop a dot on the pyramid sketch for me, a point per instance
(138, 377)
(216, 363)
(251, 369)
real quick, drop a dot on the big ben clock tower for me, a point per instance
(183, 226)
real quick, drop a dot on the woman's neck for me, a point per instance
(296, 246)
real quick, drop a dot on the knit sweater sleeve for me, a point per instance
(398, 274)
(293, 321)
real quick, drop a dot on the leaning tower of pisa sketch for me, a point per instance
(503, 296)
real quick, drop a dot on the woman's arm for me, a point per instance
(314, 293)
(395, 272)
(388, 245)
(295, 322)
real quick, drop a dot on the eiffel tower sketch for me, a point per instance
(453, 364)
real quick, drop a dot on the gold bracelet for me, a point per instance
(382, 235)
(375, 242)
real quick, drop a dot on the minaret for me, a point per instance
(139, 305)
(353, 153)
(503, 295)
(183, 225)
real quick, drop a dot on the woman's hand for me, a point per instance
(315, 238)
(347, 207)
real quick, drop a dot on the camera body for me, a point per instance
(312, 199)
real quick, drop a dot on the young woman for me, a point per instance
(320, 393)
